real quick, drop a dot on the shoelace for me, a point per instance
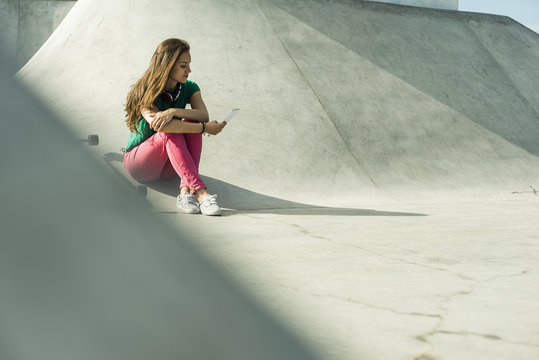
(210, 200)
(190, 199)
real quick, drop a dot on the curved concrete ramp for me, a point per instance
(387, 101)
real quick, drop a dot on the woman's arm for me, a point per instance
(162, 121)
(198, 112)
(178, 126)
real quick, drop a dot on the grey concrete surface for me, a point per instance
(9, 19)
(26, 24)
(435, 4)
(445, 281)
(379, 184)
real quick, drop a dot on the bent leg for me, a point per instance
(147, 161)
(183, 161)
(168, 171)
(162, 156)
(194, 145)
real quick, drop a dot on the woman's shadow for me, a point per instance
(240, 200)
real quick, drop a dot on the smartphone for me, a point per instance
(230, 116)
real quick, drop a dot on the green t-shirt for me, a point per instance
(187, 90)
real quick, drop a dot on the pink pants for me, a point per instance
(165, 155)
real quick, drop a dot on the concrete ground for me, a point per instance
(379, 184)
(446, 281)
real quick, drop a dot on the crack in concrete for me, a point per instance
(402, 261)
(533, 191)
(307, 233)
(446, 299)
(469, 333)
(399, 312)
(357, 301)
(445, 311)
(486, 336)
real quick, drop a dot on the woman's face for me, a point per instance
(181, 69)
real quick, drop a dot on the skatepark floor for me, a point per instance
(442, 281)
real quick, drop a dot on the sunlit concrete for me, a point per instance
(380, 183)
(448, 281)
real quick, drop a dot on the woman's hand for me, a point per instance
(160, 119)
(213, 127)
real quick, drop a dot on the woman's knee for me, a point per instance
(167, 136)
(174, 137)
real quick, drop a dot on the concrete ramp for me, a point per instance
(379, 102)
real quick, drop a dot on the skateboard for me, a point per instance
(112, 158)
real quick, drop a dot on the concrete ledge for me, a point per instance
(435, 4)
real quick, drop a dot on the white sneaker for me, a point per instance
(209, 206)
(188, 203)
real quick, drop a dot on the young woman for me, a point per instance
(166, 138)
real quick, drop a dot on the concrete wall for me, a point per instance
(436, 4)
(26, 24)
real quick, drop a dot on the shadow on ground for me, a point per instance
(238, 200)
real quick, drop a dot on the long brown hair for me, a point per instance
(144, 92)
